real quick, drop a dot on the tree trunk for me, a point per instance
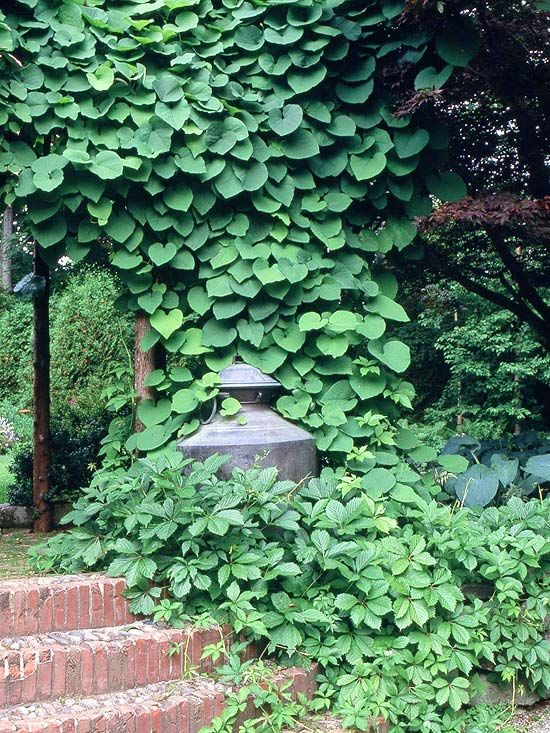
(41, 437)
(5, 250)
(145, 362)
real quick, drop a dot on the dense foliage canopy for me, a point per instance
(244, 168)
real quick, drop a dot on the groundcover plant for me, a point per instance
(373, 582)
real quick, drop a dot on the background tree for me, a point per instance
(496, 110)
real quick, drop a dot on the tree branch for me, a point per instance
(519, 309)
(521, 278)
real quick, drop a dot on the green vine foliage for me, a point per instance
(242, 163)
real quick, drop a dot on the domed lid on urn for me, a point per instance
(247, 383)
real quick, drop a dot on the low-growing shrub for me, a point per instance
(361, 574)
(75, 448)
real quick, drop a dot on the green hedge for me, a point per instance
(89, 337)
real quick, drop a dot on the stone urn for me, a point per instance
(256, 434)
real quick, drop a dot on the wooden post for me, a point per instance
(41, 362)
(5, 253)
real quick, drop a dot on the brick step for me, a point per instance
(96, 661)
(61, 603)
(182, 706)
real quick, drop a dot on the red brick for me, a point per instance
(120, 603)
(45, 612)
(73, 671)
(143, 721)
(44, 675)
(128, 719)
(13, 679)
(195, 713)
(196, 645)
(84, 621)
(153, 660)
(184, 716)
(115, 666)
(58, 671)
(219, 704)
(158, 721)
(164, 661)
(71, 600)
(176, 658)
(32, 612)
(86, 669)
(101, 670)
(207, 710)
(59, 609)
(99, 724)
(141, 647)
(19, 607)
(108, 603)
(5, 614)
(96, 605)
(171, 721)
(30, 669)
(3, 691)
(129, 666)
(83, 725)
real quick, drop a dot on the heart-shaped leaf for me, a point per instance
(365, 167)
(217, 333)
(287, 120)
(184, 401)
(150, 413)
(149, 302)
(394, 354)
(167, 323)
(160, 254)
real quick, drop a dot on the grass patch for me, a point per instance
(14, 544)
(6, 477)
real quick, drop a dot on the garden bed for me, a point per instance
(14, 545)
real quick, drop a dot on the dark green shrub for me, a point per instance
(16, 351)
(89, 336)
(75, 447)
(473, 358)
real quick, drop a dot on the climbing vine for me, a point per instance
(243, 166)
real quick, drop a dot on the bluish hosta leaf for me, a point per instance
(477, 486)
(539, 466)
